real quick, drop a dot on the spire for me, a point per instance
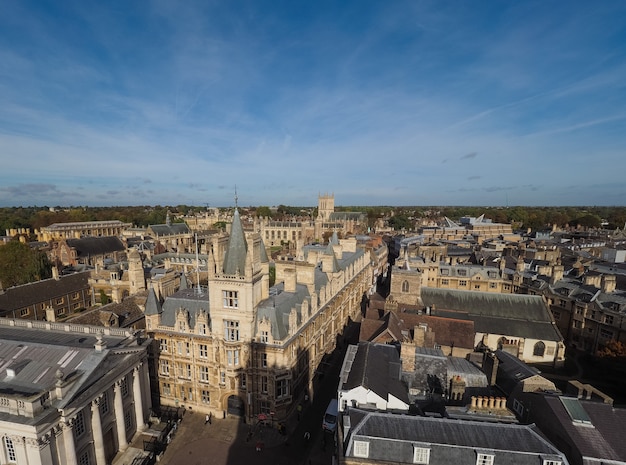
(183, 282)
(235, 257)
(153, 306)
(334, 240)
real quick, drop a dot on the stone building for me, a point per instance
(243, 348)
(80, 229)
(72, 394)
(53, 298)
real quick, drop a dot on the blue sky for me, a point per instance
(379, 102)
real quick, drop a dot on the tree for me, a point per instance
(613, 349)
(264, 212)
(19, 264)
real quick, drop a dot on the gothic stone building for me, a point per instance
(240, 347)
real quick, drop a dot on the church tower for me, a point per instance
(325, 206)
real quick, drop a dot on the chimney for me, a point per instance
(490, 367)
(290, 279)
(55, 272)
(407, 352)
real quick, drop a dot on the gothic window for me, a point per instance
(539, 349)
(405, 286)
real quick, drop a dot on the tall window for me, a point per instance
(231, 330)
(104, 404)
(163, 345)
(84, 458)
(405, 286)
(282, 388)
(204, 374)
(9, 448)
(243, 381)
(264, 384)
(265, 336)
(206, 397)
(232, 357)
(79, 424)
(124, 386)
(263, 360)
(203, 350)
(164, 367)
(222, 377)
(231, 299)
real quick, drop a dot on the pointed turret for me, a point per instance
(235, 258)
(153, 306)
(183, 282)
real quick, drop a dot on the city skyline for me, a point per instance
(379, 103)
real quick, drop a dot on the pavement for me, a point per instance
(230, 441)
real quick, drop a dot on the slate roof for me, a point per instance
(512, 314)
(278, 306)
(392, 439)
(25, 295)
(604, 440)
(89, 246)
(188, 299)
(128, 312)
(169, 229)
(376, 367)
(235, 257)
(448, 331)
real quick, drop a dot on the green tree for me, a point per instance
(264, 212)
(19, 264)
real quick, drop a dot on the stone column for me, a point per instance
(137, 395)
(96, 430)
(68, 442)
(119, 417)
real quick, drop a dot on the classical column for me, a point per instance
(68, 442)
(137, 395)
(119, 417)
(96, 429)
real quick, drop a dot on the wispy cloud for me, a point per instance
(195, 98)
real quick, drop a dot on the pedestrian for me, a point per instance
(207, 419)
(307, 436)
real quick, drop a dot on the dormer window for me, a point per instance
(361, 449)
(421, 455)
(484, 459)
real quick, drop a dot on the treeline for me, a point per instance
(407, 217)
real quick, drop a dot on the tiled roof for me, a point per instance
(25, 295)
(88, 246)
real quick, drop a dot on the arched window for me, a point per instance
(405, 286)
(539, 349)
(9, 449)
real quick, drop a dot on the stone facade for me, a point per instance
(241, 348)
